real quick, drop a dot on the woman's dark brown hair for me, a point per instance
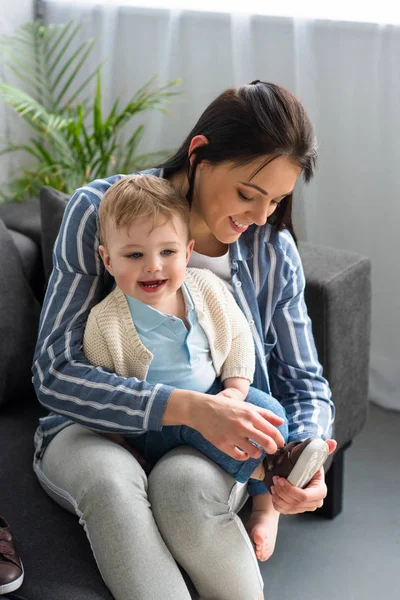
(247, 123)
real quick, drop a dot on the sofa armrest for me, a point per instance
(338, 297)
(19, 319)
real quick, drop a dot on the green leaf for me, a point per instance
(43, 154)
(131, 146)
(97, 118)
(82, 87)
(18, 147)
(76, 70)
(31, 83)
(63, 33)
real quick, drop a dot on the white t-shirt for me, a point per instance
(219, 265)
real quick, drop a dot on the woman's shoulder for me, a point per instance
(282, 242)
(95, 190)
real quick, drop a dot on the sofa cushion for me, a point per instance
(52, 207)
(19, 312)
(31, 257)
(23, 217)
(338, 297)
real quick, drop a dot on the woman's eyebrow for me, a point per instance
(252, 185)
(256, 187)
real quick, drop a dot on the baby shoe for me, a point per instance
(297, 462)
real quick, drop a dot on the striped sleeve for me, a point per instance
(65, 382)
(295, 373)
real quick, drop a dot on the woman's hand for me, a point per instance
(230, 424)
(233, 394)
(290, 500)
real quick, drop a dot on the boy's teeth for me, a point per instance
(151, 284)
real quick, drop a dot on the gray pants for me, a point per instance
(185, 511)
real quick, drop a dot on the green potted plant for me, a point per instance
(72, 141)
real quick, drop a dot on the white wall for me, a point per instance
(12, 14)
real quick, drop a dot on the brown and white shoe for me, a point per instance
(11, 569)
(297, 462)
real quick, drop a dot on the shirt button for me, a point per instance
(234, 263)
(251, 321)
(172, 320)
(238, 284)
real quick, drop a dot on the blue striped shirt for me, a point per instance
(268, 284)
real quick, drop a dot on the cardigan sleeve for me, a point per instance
(95, 346)
(240, 361)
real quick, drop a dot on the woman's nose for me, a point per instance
(260, 212)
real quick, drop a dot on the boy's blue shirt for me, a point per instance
(268, 284)
(181, 358)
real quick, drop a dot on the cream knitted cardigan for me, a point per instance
(111, 340)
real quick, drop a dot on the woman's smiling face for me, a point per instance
(228, 199)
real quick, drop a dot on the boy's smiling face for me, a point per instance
(148, 259)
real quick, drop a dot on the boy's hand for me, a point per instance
(235, 388)
(290, 500)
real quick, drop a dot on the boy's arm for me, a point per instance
(97, 352)
(95, 346)
(236, 388)
(240, 363)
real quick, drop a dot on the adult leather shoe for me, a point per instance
(11, 569)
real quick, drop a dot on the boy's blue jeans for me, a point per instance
(154, 444)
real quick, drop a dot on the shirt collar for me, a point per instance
(146, 317)
(241, 249)
(189, 305)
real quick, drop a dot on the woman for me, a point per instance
(238, 168)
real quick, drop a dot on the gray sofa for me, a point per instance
(56, 555)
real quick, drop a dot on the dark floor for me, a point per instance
(357, 555)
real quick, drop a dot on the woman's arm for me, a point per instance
(296, 379)
(295, 373)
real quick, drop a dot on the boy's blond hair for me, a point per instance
(141, 196)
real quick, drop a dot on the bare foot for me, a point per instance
(262, 526)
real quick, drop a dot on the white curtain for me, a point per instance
(348, 77)
(12, 15)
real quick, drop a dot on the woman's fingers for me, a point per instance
(270, 416)
(288, 509)
(253, 426)
(228, 423)
(288, 499)
(238, 454)
(332, 444)
(265, 434)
